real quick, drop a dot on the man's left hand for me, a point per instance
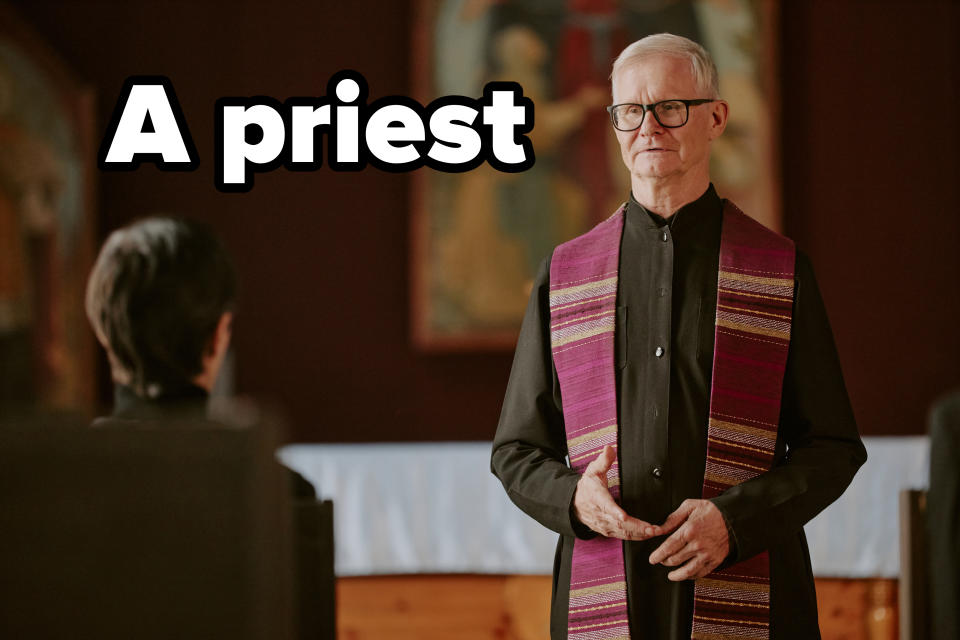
(699, 541)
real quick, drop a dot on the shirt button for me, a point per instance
(663, 236)
(659, 352)
(657, 473)
(662, 292)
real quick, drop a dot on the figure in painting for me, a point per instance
(39, 241)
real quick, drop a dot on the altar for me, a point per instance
(435, 511)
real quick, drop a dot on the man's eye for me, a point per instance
(669, 107)
(634, 110)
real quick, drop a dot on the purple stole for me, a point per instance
(754, 312)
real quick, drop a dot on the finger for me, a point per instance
(619, 530)
(692, 569)
(621, 525)
(605, 460)
(602, 463)
(670, 546)
(610, 526)
(636, 529)
(698, 567)
(680, 556)
(678, 517)
(609, 454)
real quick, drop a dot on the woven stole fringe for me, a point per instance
(754, 310)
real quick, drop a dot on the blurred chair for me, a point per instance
(315, 578)
(943, 518)
(155, 532)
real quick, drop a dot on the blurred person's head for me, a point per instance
(160, 300)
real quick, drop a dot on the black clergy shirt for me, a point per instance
(665, 322)
(186, 404)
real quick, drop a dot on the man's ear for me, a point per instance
(718, 118)
(214, 353)
(221, 336)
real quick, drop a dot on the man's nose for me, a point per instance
(650, 125)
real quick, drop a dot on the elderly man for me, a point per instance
(679, 356)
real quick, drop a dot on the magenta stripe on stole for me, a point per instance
(585, 369)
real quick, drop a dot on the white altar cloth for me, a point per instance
(436, 508)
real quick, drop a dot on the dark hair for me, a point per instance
(154, 298)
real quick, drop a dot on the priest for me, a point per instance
(676, 409)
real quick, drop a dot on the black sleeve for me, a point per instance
(530, 448)
(823, 447)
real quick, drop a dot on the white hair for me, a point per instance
(667, 44)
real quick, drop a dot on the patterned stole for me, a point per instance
(583, 307)
(754, 309)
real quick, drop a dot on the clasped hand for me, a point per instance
(698, 540)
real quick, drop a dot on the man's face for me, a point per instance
(654, 151)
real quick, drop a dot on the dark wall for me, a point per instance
(869, 187)
(872, 192)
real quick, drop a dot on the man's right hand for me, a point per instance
(595, 507)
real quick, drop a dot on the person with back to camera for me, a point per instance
(160, 300)
(679, 355)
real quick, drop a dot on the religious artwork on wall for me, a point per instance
(46, 230)
(479, 236)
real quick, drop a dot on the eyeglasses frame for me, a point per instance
(652, 108)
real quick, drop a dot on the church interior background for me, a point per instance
(379, 310)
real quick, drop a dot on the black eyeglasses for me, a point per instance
(669, 113)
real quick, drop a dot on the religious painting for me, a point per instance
(479, 237)
(46, 239)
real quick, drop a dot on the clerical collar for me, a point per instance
(709, 202)
(186, 401)
(696, 224)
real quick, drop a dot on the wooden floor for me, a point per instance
(473, 607)
(457, 606)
